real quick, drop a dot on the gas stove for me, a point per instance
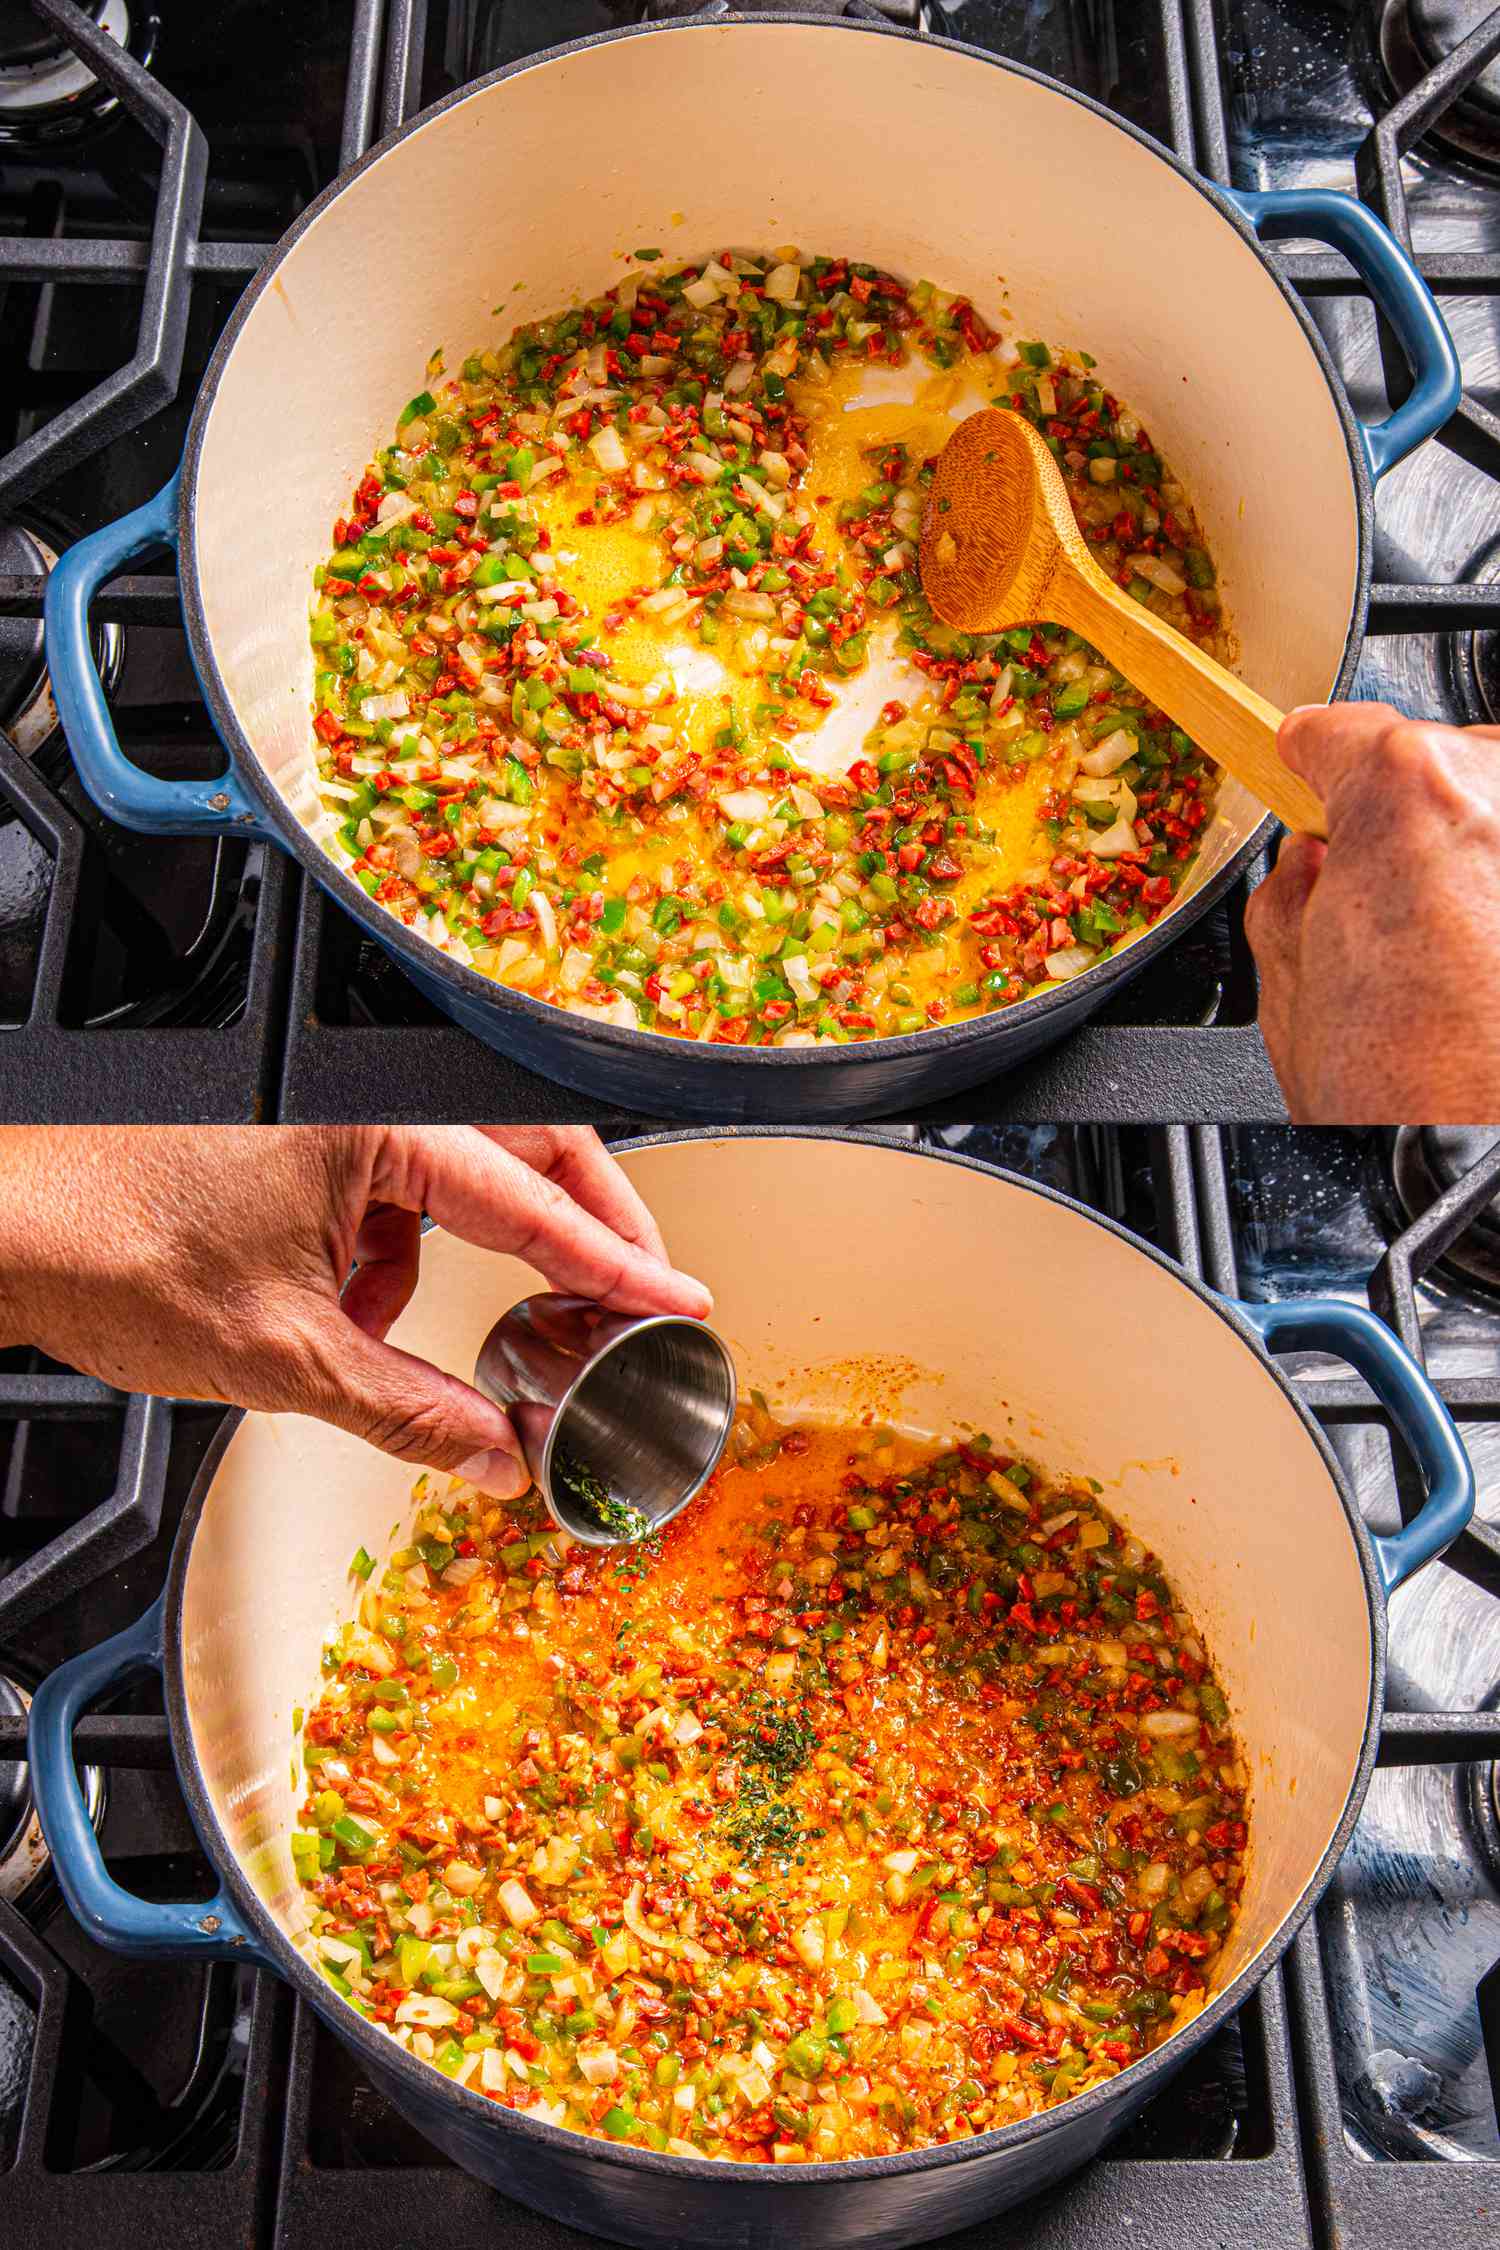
(1353, 2100)
(150, 155)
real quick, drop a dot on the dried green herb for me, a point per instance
(760, 1825)
(593, 1498)
(779, 1740)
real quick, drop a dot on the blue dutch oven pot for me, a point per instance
(1158, 1384)
(745, 128)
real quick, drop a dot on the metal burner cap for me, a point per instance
(27, 711)
(47, 91)
(22, 663)
(15, 1790)
(23, 1848)
(25, 38)
(1415, 36)
(1426, 1160)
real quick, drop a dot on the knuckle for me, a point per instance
(412, 1433)
(541, 1203)
(1410, 751)
(1437, 774)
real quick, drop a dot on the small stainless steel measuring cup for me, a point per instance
(632, 1408)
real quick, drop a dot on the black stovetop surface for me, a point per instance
(189, 978)
(1351, 2102)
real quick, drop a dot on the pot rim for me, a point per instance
(1149, 2072)
(414, 952)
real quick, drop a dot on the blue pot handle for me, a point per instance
(1388, 272)
(1328, 1324)
(134, 798)
(114, 1917)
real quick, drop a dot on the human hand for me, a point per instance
(1380, 983)
(210, 1262)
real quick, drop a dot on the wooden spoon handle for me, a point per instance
(1234, 726)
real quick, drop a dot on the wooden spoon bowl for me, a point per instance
(1001, 547)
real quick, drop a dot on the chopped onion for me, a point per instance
(1160, 573)
(1067, 961)
(1109, 755)
(796, 973)
(490, 1967)
(520, 1908)
(1110, 843)
(608, 451)
(368, 1650)
(427, 2009)
(782, 284)
(630, 1914)
(781, 1666)
(768, 502)
(742, 601)
(387, 705)
(745, 804)
(810, 1944)
(1167, 1726)
(1196, 1886)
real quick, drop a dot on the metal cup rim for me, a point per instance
(542, 1470)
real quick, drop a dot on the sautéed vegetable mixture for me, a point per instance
(627, 694)
(887, 1797)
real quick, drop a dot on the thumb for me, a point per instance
(407, 1407)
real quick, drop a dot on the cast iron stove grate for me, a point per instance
(248, 994)
(154, 2102)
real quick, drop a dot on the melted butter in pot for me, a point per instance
(609, 567)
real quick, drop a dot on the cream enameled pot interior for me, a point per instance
(530, 193)
(852, 1278)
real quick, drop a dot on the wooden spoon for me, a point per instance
(1001, 547)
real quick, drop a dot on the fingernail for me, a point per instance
(1305, 710)
(504, 1476)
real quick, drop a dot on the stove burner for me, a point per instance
(1425, 1162)
(27, 711)
(24, 1857)
(48, 93)
(1416, 35)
